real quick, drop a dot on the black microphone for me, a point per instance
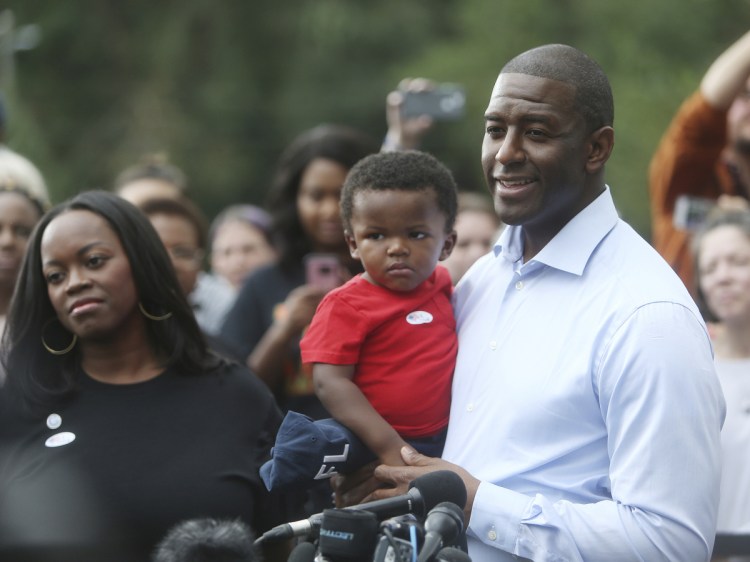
(424, 493)
(444, 523)
(303, 552)
(452, 554)
(347, 535)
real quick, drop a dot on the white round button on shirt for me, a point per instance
(54, 421)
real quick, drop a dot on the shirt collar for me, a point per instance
(572, 247)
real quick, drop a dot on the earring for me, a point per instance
(153, 317)
(57, 351)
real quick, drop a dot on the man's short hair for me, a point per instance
(593, 93)
(409, 170)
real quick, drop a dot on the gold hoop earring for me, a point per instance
(151, 316)
(57, 351)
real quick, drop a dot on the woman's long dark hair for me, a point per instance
(39, 377)
(333, 142)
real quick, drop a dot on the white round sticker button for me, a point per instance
(419, 317)
(60, 439)
(54, 421)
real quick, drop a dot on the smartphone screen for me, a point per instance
(444, 103)
(690, 212)
(323, 270)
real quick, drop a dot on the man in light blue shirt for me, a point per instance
(586, 412)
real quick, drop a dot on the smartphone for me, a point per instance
(323, 270)
(446, 102)
(690, 212)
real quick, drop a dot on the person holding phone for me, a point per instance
(704, 153)
(383, 346)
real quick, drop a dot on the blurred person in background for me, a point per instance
(23, 201)
(477, 227)
(116, 421)
(155, 178)
(182, 228)
(240, 242)
(722, 259)
(150, 178)
(19, 213)
(704, 154)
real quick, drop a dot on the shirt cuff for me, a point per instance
(496, 516)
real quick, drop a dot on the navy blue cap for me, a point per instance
(307, 450)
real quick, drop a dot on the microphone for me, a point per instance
(347, 535)
(424, 493)
(443, 525)
(303, 528)
(303, 552)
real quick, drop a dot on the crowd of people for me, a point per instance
(165, 376)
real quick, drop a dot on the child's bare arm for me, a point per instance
(346, 403)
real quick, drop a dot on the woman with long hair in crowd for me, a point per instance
(116, 421)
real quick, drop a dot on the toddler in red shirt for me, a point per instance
(383, 346)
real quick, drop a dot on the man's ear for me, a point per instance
(600, 145)
(352, 243)
(448, 245)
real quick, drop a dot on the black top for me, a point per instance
(253, 310)
(259, 299)
(119, 465)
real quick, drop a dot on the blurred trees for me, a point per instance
(222, 86)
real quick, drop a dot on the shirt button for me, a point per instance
(470, 407)
(519, 285)
(492, 535)
(493, 345)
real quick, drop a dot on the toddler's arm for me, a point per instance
(346, 403)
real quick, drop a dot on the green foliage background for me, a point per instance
(222, 86)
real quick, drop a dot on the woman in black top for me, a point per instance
(116, 422)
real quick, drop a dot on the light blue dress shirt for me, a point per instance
(585, 400)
